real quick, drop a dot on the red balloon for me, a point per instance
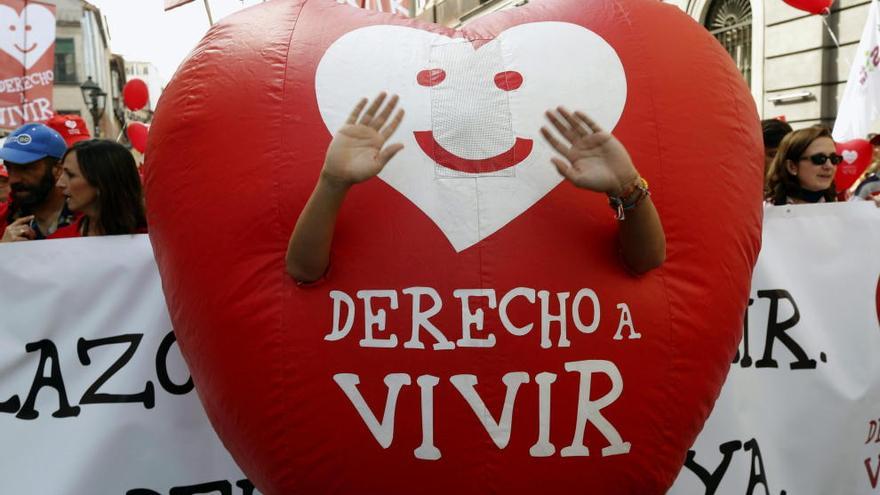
(812, 6)
(135, 94)
(137, 135)
(857, 155)
(411, 393)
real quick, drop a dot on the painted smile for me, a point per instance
(22, 50)
(516, 154)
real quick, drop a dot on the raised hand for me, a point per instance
(358, 151)
(593, 158)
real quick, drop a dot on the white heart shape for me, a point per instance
(26, 36)
(470, 115)
(850, 156)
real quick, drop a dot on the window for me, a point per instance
(65, 61)
(730, 21)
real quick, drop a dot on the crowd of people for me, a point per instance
(59, 182)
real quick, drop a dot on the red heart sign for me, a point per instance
(857, 155)
(476, 332)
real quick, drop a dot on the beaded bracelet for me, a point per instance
(629, 198)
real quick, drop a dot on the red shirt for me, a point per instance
(75, 230)
(67, 231)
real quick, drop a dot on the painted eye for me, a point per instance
(12, 27)
(508, 80)
(27, 27)
(431, 77)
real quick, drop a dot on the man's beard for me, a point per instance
(34, 194)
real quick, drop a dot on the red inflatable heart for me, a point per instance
(857, 155)
(476, 332)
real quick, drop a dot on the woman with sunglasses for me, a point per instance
(803, 169)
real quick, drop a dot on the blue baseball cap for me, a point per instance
(32, 142)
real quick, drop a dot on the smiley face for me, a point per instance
(26, 36)
(27, 29)
(474, 110)
(505, 81)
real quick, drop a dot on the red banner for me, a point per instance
(171, 4)
(401, 7)
(27, 58)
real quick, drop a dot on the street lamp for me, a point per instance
(95, 100)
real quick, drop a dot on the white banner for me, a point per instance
(798, 413)
(95, 398)
(860, 105)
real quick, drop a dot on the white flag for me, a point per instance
(860, 105)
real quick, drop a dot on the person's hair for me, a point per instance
(774, 130)
(780, 184)
(110, 168)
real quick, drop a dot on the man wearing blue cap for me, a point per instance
(37, 208)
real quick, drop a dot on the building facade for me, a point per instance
(82, 50)
(796, 64)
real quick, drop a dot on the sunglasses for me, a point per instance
(820, 158)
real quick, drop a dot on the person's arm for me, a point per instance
(595, 160)
(356, 154)
(642, 240)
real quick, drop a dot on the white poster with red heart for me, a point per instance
(95, 397)
(27, 58)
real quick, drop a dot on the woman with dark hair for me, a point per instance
(803, 169)
(100, 180)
